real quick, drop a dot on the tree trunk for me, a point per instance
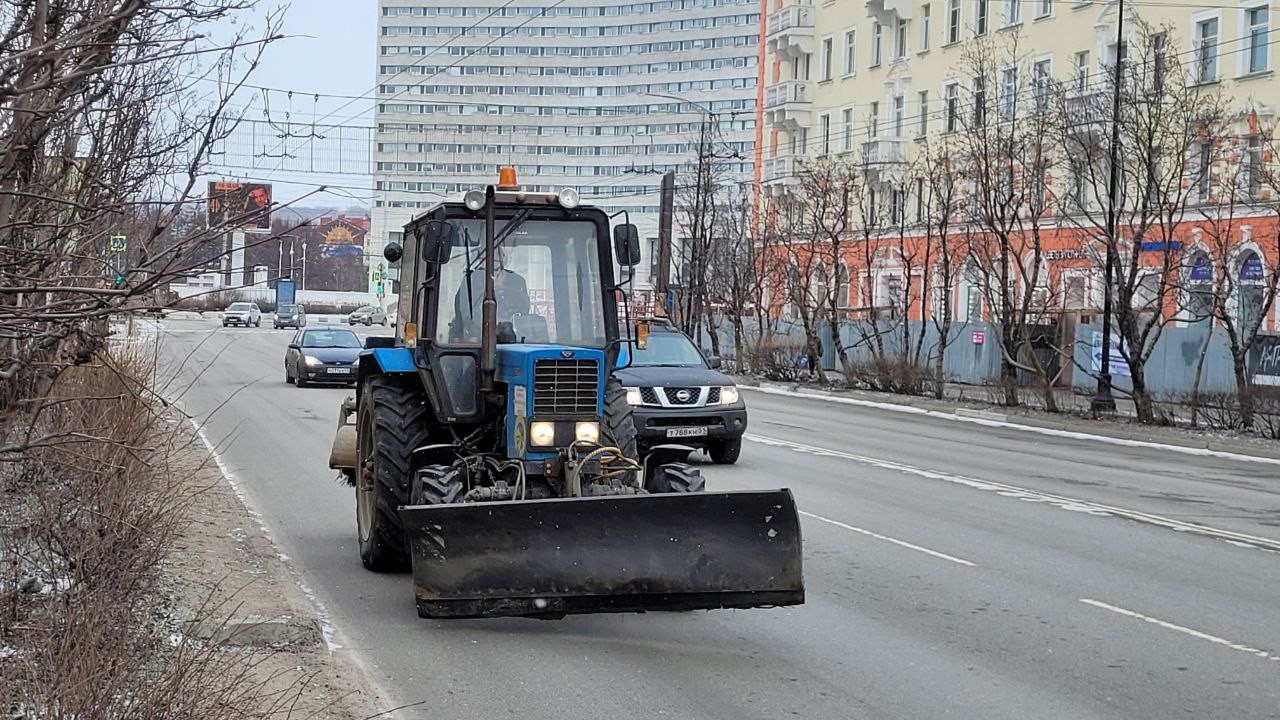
(1143, 404)
(842, 353)
(1195, 384)
(711, 330)
(1244, 391)
(1008, 371)
(814, 348)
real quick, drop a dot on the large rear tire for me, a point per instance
(392, 420)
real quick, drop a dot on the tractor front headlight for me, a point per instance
(542, 433)
(728, 395)
(474, 200)
(633, 396)
(587, 432)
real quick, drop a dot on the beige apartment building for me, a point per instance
(877, 82)
(876, 76)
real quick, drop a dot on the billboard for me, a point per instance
(1264, 361)
(240, 205)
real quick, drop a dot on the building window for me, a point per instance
(1082, 71)
(951, 95)
(827, 50)
(846, 119)
(1258, 31)
(1204, 162)
(899, 115)
(924, 113)
(1044, 8)
(873, 130)
(953, 21)
(980, 22)
(1008, 93)
(900, 42)
(979, 101)
(1251, 168)
(1012, 12)
(1043, 80)
(1251, 293)
(877, 40)
(824, 126)
(850, 55)
(897, 205)
(924, 27)
(1159, 60)
(920, 204)
(1206, 48)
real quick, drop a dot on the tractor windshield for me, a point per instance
(547, 283)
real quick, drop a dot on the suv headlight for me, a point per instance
(728, 395)
(633, 396)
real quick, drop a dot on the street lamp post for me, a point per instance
(1104, 400)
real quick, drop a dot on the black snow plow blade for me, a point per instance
(627, 553)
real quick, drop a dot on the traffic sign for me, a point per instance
(118, 243)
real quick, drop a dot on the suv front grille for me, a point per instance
(649, 396)
(565, 387)
(682, 396)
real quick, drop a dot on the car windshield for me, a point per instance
(239, 306)
(547, 283)
(668, 349)
(288, 308)
(330, 339)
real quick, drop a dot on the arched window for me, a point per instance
(1199, 293)
(1249, 290)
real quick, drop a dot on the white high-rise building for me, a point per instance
(599, 95)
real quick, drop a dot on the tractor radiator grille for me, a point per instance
(565, 387)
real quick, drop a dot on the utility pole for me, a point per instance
(666, 206)
(1103, 400)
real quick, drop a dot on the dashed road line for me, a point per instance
(895, 541)
(1265, 655)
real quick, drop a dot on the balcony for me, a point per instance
(1086, 111)
(790, 31)
(877, 154)
(779, 174)
(788, 105)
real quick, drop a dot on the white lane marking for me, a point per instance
(322, 615)
(1072, 434)
(1027, 495)
(1184, 630)
(886, 538)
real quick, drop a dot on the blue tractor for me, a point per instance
(492, 451)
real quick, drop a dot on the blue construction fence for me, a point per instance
(973, 355)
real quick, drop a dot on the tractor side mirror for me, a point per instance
(626, 245)
(392, 252)
(438, 238)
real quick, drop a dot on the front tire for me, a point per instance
(676, 478)
(392, 420)
(437, 485)
(619, 422)
(725, 452)
(301, 381)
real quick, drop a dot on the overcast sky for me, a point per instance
(330, 49)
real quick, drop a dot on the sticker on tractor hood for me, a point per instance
(518, 399)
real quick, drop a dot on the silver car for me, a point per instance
(367, 315)
(242, 313)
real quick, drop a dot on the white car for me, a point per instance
(242, 313)
(391, 317)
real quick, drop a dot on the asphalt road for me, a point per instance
(952, 570)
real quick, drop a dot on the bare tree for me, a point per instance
(798, 238)
(110, 111)
(936, 192)
(1004, 154)
(736, 279)
(1230, 275)
(1166, 142)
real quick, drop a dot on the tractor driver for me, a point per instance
(509, 289)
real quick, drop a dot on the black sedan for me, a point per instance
(322, 355)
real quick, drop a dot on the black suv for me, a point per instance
(679, 396)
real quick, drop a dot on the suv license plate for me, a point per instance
(686, 432)
(338, 371)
